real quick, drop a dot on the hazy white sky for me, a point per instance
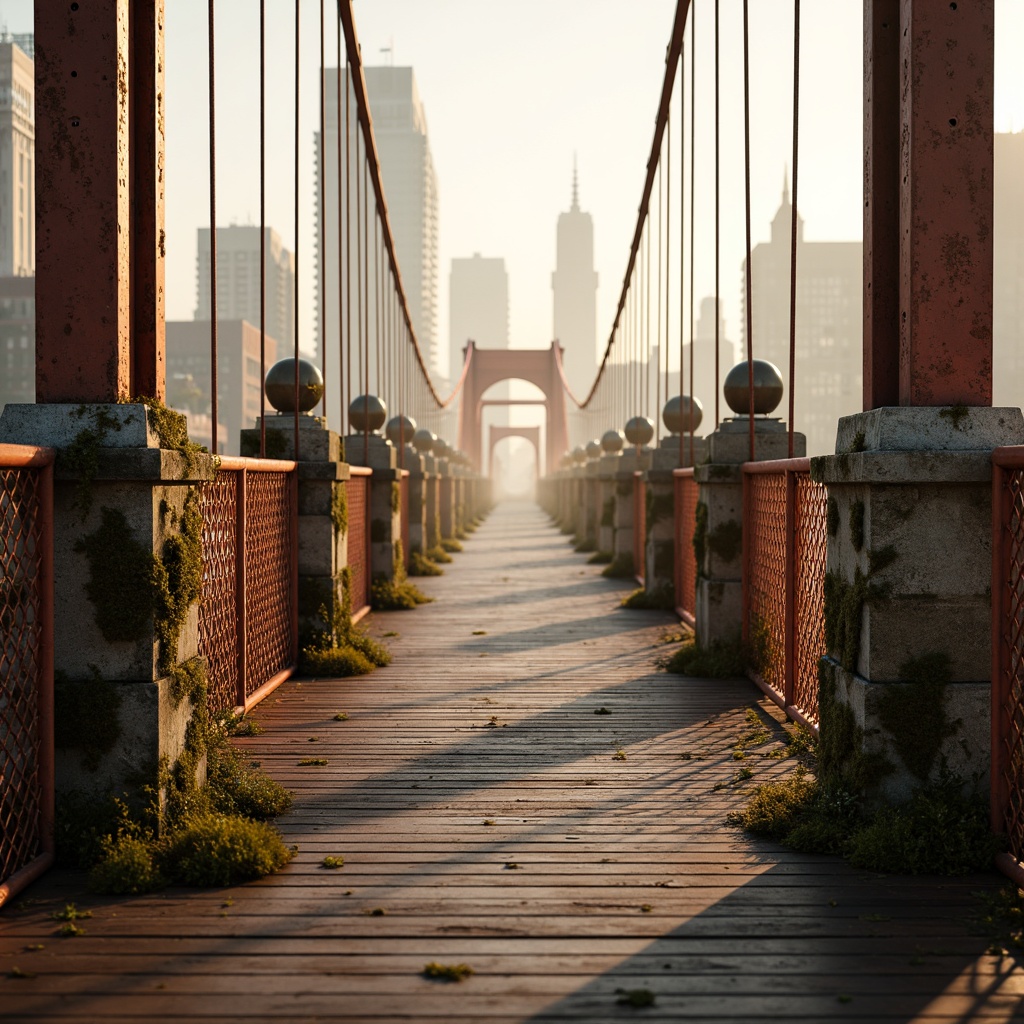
(512, 91)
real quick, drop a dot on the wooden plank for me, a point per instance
(735, 930)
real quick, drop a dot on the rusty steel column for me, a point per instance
(881, 202)
(82, 223)
(946, 125)
(146, 192)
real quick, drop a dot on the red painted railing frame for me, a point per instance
(685, 495)
(639, 527)
(365, 471)
(1006, 461)
(243, 466)
(404, 513)
(789, 468)
(41, 459)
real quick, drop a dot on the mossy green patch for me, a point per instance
(178, 579)
(420, 565)
(832, 516)
(621, 567)
(726, 540)
(396, 593)
(339, 508)
(171, 428)
(396, 498)
(719, 660)
(81, 457)
(700, 534)
(856, 525)
(600, 558)
(956, 415)
(450, 544)
(662, 598)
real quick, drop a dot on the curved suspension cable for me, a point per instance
(793, 226)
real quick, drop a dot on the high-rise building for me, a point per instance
(238, 283)
(17, 161)
(238, 377)
(574, 284)
(829, 324)
(1008, 271)
(17, 340)
(477, 306)
(411, 194)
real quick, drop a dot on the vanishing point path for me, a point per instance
(491, 813)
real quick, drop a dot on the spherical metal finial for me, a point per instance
(639, 430)
(441, 448)
(767, 388)
(367, 412)
(280, 385)
(683, 413)
(612, 441)
(400, 429)
(579, 454)
(423, 441)
(593, 449)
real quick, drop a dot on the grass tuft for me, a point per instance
(421, 565)
(446, 972)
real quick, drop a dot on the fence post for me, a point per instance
(789, 676)
(1000, 515)
(241, 560)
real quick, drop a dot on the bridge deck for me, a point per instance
(488, 816)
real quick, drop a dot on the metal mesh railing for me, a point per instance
(248, 613)
(809, 553)
(784, 550)
(358, 494)
(1007, 772)
(639, 526)
(765, 577)
(685, 506)
(26, 665)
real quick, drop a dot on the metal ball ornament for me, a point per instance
(367, 412)
(280, 385)
(594, 449)
(639, 430)
(767, 388)
(682, 414)
(423, 440)
(400, 429)
(613, 441)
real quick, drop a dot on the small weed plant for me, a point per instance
(447, 972)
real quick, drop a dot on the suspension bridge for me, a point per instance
(522, 817)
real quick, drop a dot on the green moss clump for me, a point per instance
(122, 575)
(420, 565)
(726, 540)
(396, 498)
(843, 604)
(396, 593)
(857, 525)
(621, 567)
(585, 547)
(450, 544)
(775, 808)
(719, 660)
(446, 972)
(86, 716)
(608, 512)
(236, 786)
(339, 508)
(859, 442)
(956, 415)
(662, 598)
(700, 534)
(832, 516)
(127, 866)
(216, 850)
(171, 428)
(914, 712)
(178, 579)
(438, 554)
(600, 558)
(335, 662)
(82, 456)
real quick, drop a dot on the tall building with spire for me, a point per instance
(574, 283)
(829, 323)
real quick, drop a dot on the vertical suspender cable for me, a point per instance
(322, 195)
(718, 318)
(298, 33)
(668, 259)
(746, 189)
(660, 345)
(366, 299)
(348, 242)
(341, 266)
(263, 228)
(359, 271)
(213, 235)
(645, 389)
(793, 232)
(682, 236)
(693, 208)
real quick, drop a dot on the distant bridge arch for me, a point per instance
(531, 434)
(538, 366)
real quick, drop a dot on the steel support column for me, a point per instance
(99, 200)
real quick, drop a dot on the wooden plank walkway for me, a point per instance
(488, 815)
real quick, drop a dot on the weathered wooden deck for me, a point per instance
(486, 816)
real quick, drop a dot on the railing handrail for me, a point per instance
(686, 471)
(257, 465)
(25, 456)
(360, 471)
(799, 465)
(1009, 456)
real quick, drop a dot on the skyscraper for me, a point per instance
(477, 306)
(410, 190)
(829, 324)
(17, 161)
(238, 283)
(574, 283)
